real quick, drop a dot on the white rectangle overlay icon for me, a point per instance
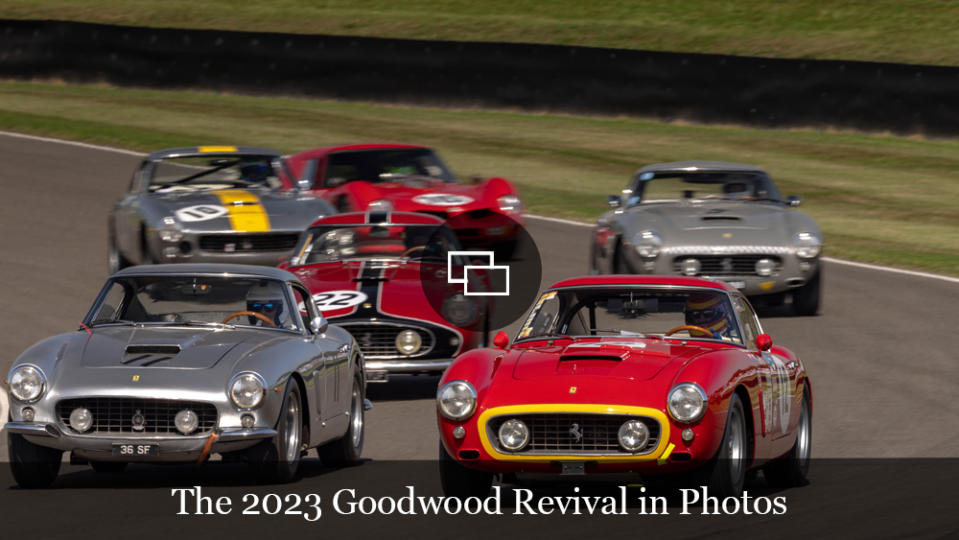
(470, 255)
(466, 291)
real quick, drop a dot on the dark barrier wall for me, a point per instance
(699, 87)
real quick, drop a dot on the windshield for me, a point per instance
(636, 312)
(215, 172)
(177, 300)
(385, 165)
(332, 243)
(671, 186)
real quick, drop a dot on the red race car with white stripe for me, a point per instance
(365, 271)
(385, 177)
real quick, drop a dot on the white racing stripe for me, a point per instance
(571, 222)
(4, 408)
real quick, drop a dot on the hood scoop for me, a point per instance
(722, 218)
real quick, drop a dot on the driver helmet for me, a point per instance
(265, 298)
(255, 171)
(707, 310)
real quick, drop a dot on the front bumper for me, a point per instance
(413, 366)
(172, 449)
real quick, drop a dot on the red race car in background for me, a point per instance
(365, 272)
(662, 376)
(385, 177)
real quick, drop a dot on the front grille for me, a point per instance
(467, 233)
(378, 341)
(553, 433)
(229, 243)
(480, 214)
(727, 265)
(437, 213)
(116, 415)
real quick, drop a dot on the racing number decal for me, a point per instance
(200, 212)
(336, 300)
(442, 199)
(777, 394)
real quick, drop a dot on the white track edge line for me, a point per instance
(868, 266)
(914, 273)
(4, 408)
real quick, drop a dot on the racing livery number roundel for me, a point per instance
(200, 212)
(336, 300)
(442, 199)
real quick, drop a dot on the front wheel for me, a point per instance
(793, 469)
(33, 466)
(725, 475)
(806, 298)
(277, 460)
(347, 449)
(459, 481)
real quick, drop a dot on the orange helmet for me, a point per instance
(706, 310)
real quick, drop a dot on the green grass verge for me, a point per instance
(882, 30)
(883, 199)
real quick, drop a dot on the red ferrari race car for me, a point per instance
(409, 178)
(365, 271)
(662, 376)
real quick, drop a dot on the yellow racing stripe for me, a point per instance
(245, 210)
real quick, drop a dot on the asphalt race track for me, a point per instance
(881, 357)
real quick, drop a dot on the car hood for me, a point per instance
(168, 347)
(420, 193)
(716, 223)
(228, 210)
(638, 360)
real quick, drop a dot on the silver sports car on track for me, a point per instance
(176, 362)
(716, 220)
(210, 204)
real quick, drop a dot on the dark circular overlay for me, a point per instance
(485, 284)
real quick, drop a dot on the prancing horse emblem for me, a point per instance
(575, 432)
(727, 264)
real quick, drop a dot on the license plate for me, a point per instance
(136, 450)
(377, 376)
(573, 468)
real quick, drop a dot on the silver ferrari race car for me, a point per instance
(228, 204)
(716, 220)
(176, 362)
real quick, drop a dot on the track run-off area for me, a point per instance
(881, 356)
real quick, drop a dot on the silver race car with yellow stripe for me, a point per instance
(210, 204)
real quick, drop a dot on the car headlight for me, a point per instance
(513, 435)
(408, 341)
(808, 245)
(687, 402)
(510, 204)
(456, 400)
(459, 310)
(170, 231)
(247, 390)
(380, 205)
(647, 244)
(27, 383)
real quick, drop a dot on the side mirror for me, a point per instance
(319, 324)
(764, 342)
(614, 201)
(794, 200)
(305, 181)
(501, 340)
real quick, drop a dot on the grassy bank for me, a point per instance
(918, 31)
(883, 199)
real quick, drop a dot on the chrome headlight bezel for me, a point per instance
(170, 232)
(808, 245)
(686, 393)
(15, 385)
(246, 377)
(456, 389)
(647, 244)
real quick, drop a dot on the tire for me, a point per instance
(33, 466)
(462, 482)
(277, 460)
(620, 264)
(108, 467)
(793, 469)
(115, 260)
(347, 450)
(145, 256)
(725, 475)
(806, 298)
